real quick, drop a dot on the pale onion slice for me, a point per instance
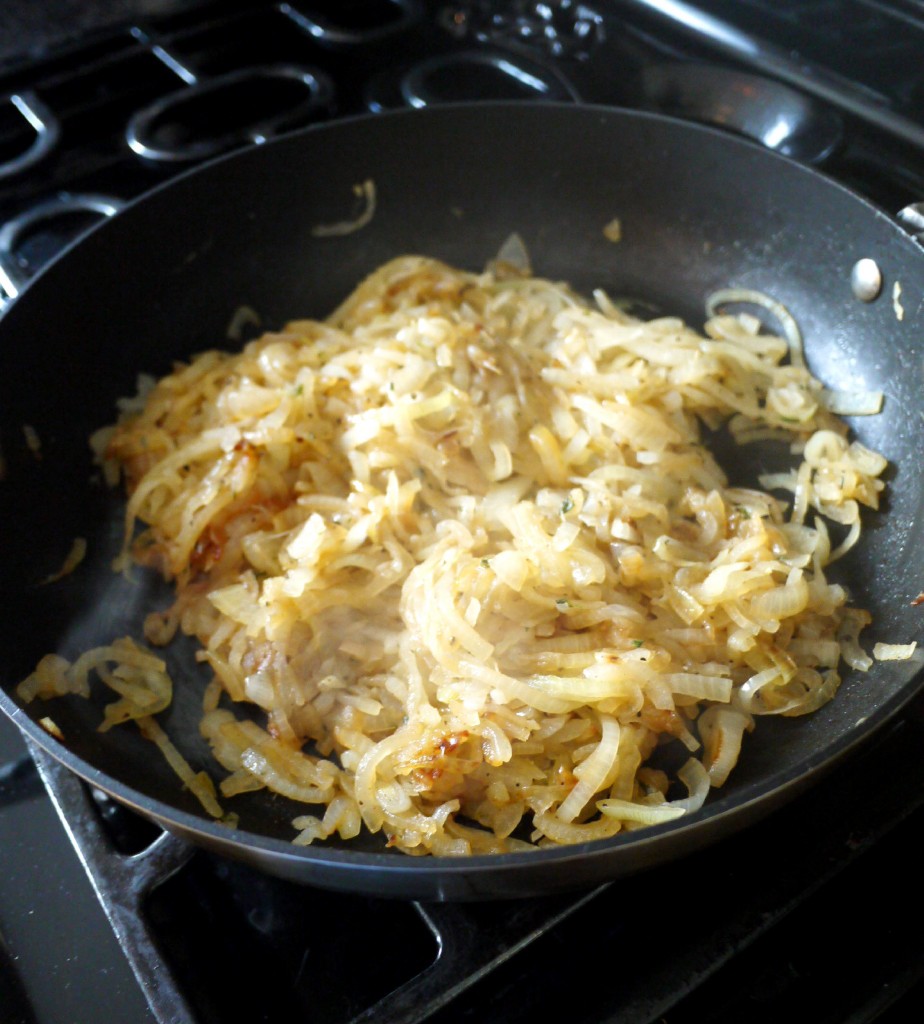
(747, 296)
(366, 192)
(513, 253)
(852, 403)
(722, 730)
(198, 783)
(848, 636)
(570, 832)
(591, 772)
(51, 727)
(74, 557)
(894, 652)
(640, 814)
(695, 777)
(853, 535)
(51, 678)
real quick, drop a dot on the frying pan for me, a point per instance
(700, 210)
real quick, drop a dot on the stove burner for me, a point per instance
(479, 75)
(169, 903)
(214, 116)
(15, 270)
(45, 126)
(346, 23)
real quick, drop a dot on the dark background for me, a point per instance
(29, 28)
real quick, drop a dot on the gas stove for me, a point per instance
(808, 914)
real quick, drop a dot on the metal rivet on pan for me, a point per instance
(912, 219)
(866, 280)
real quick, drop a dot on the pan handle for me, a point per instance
(866, 275)
(911, 219)
(13, 274)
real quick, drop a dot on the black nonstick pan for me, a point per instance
(699, 210)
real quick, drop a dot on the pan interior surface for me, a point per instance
(698, 211)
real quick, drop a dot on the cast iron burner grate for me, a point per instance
(86, 129)
(796, 912)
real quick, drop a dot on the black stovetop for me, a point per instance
(811, 913)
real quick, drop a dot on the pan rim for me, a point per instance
(769, 791)
(765, 792)
(536, 108)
